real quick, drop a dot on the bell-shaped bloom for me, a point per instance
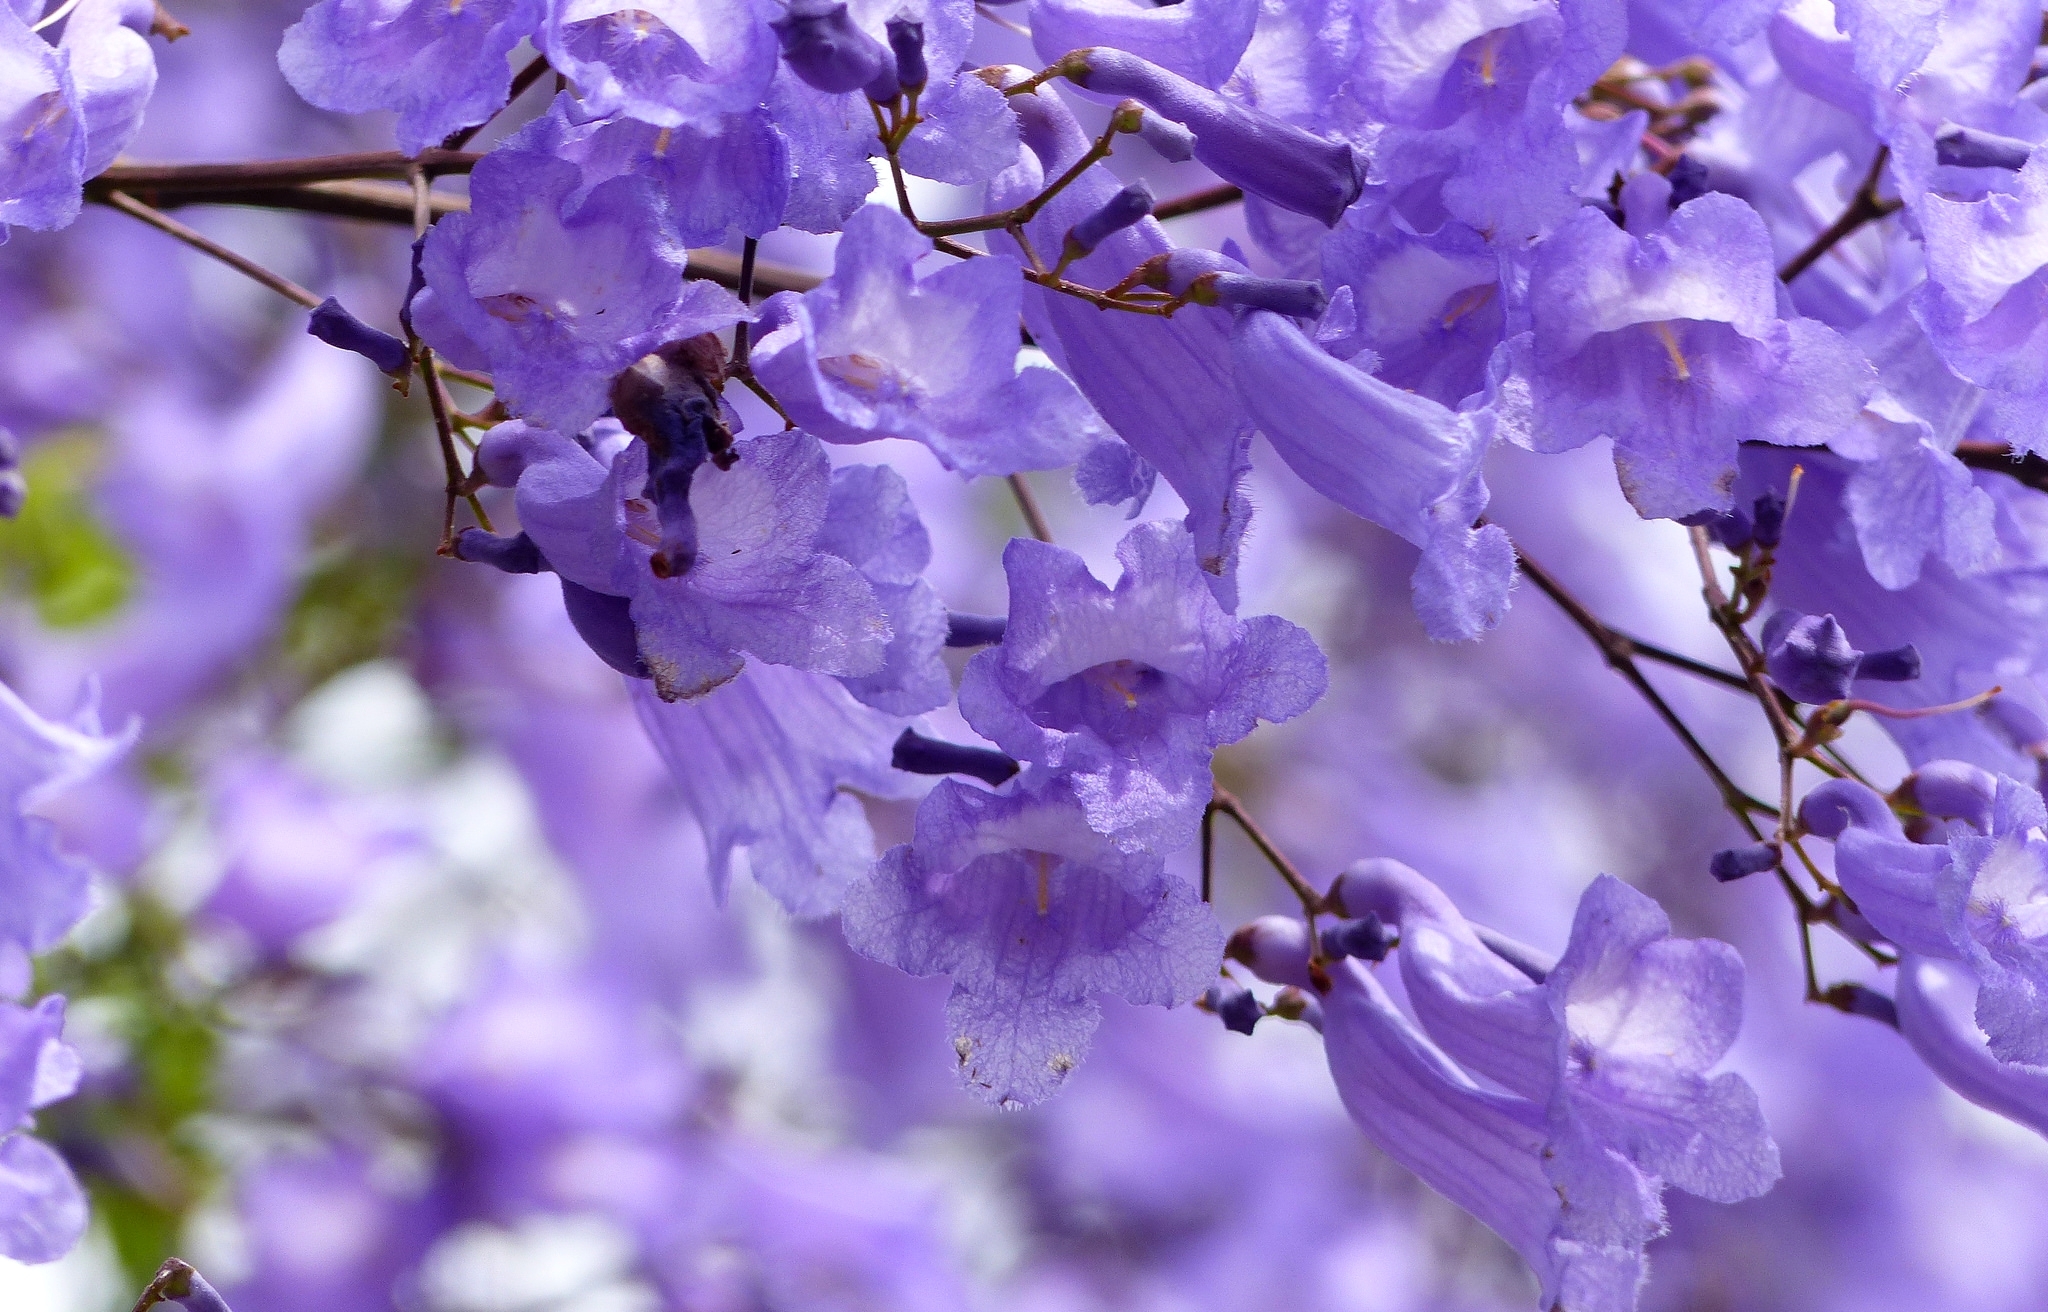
(1980, 899)
(1201, 40)
(1032, 913)
(1430, 306)
(42, 1208)
(43, 891)
(877, 350)
(1484, 1150)
(666, 62)
(761, 582)
(553, 288)
(440, 66)
(69, 108)
(1402, 461)
(872, 524)
(770, 764)
(1666, 337)
(1163, 385)
(1936, 1004)
(1129, 690)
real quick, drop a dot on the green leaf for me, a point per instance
(56, 550)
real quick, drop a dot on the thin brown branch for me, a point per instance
(164, 223)
(1864, 207)
(1195, 202)
(529, 75)
(1027, 506)
(2027, 468)
(1227, 803)
(259, 174)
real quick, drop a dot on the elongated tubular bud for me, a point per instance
(916, 754)
(1286, 165)
(1168, 139)
(1117, 213)
(514, 555)
(1735, 863)
(1897, 665)
(334, 325)
(1836, 804)
(965, 630)
(1970, 148)
(906, 41)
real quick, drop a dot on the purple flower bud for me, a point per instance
(1117, 213)
(1293, 168)
(1293, 297)
(1954, 790)
(1276, 949)
(1730, 528)
(669, 400)
(177, 1283)
(1809, 656)
(1969, 148)
(965, 630)
(1366, 938)
(906, 40)
(1859, 1000)
(1733, 863)
(1897, 665)
(1768, 515)
(337, 327)
(513, 555)
(1535, 964)
(605, 622)
(916, 754)
(1837, 804)
(824, 48)
(1291, 1003)
(1234, 1004)
(1168, 139)
(1688, 178)
(13, 487)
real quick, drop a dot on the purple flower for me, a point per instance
(329, 1232)
(1615, 1044)
(1032, 913)
(555, 290)
(1431, 307)
(771, 764)
(42, 1209)
(71, 108)
(1128, 690)
(441, 66)
(1201, 40)
(666, 62)
(871, 523)
(43, 890)
(761, 583)
(1935, 1006)
(1666, 337)
(878, 351)
(1400, 460)
(728, 177)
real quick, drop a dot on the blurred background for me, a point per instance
(405, 987)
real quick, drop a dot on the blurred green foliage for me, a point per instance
(56, 551)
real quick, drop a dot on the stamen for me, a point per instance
(661, 140)
(1678, 360)
(1472, 298)
(1489, 51)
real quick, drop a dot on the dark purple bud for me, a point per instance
(1898, 665)
(337, 327)
(965, 630)
(1730, 528)
(1768, 517)
(605, 622)
(1292, 297)
(1809, 656)
(669, 400)
(1860, 1000)
(1688, 178)
(906, 41)
(13, 487)
(1293, 168)
(1234, 1004)
(916, 754)
(1836, 804)
(826, 50)
(1969, 148)
(1954, 790)
(514, 555)
(1366, 938)
(1117, 213)
(1733, 863)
